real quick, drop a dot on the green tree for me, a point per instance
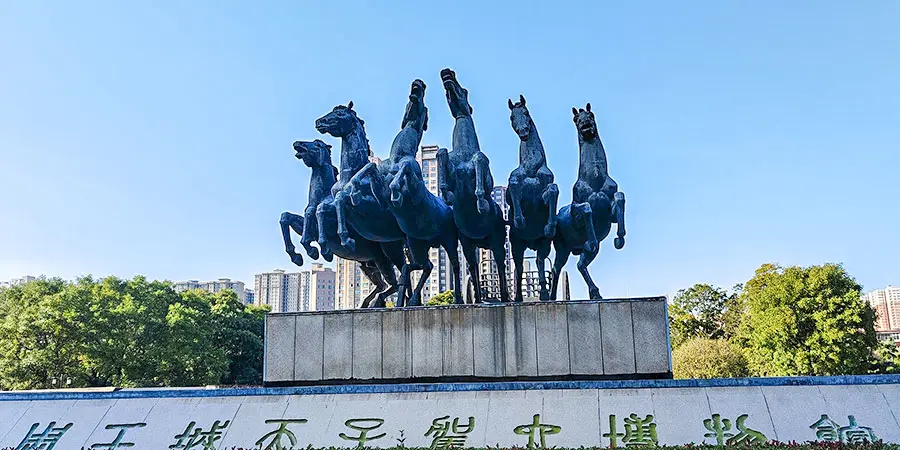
(708, 358)
(127, 333)
(239, 330)
(886, 358)
(805, 321)
(444, 298)
(703, 311)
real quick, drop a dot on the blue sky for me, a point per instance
(155, 137)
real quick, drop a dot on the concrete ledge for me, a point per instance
(552, 341)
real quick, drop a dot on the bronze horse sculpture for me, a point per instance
(465, 183)
(595, 196)
(377, 260)
(425, 219)
(532, 196)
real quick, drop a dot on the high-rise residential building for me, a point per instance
(320, 289)
(213, 286)
(270, 289)
(248, 296)
(310, 290)
(886, 303)
(352, 285)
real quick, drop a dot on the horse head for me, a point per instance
(457, 96)
(416, 113)
(520, 118)
(585, 123)
(340, 122)
(313, 153)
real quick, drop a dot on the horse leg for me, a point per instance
(470, 253)
(370, 272)
(550, 196)
(518, 255)
(290, 221)
(559, 261)
(482, 169)
(386, 271)
(451, 248)
(619, 209)
(543, 252)
(309, 230)
(583, 262)
(515, 196)
(340, 205)
(418, 249)
(498, 248)
(445, 175)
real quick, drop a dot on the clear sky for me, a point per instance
(154, 137)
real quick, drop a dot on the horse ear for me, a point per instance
(574, 112)
(588, 107)
(350, 105)
(510, 103)
(522, 99)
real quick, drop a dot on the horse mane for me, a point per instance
(362, 125)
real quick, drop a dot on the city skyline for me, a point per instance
(165, 150)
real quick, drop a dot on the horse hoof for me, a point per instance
(296, 259)
(619, 242)
(313, 253)
(519, 221)
(595, 294)
(349, 244)
(550, 230)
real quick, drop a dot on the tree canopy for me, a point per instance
(805, 321)
(128, 333)
(708, 358)
(702, 311)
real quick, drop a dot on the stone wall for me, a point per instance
(541, 340)
(568, 414)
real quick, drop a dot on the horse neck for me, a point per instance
(354, 152)
(320, 182)
(465, 139)
(591, 154)
(531, 150)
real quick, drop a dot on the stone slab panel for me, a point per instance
(489, 338)
(576, 412)
(551, 325)
(508, 410)
(679, 414)
(10, 413)
(585, 348)
(458, 342)
(867, 405)
(338, 347)
(396, 345)
(427, 342)
(520, 341)
(42, 413)
(617, 404)
(617, 334)
(250, 420)
(280, 344)
(732, 402)
(309, 352)
(367, 345)
(651, 338)
(790, 407)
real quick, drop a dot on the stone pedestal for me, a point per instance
(575, 340)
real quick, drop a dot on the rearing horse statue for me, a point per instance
(596, 196)
(465, 182)
(377, 260)
(410, 200)
(368, 216)
(532, 196)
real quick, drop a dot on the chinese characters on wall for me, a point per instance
(452, 432)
